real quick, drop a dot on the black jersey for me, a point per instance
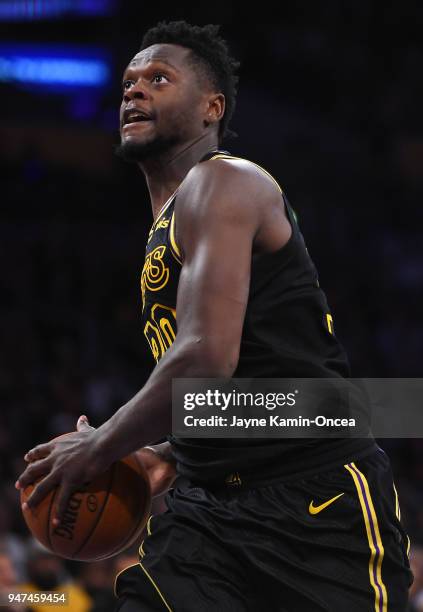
(288, 333)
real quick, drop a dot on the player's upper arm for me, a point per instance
(218, 213)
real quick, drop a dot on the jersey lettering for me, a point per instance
(155, 274)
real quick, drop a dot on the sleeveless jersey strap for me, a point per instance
(211, 154)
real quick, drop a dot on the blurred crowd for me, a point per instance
(27, 567)
(335, 118)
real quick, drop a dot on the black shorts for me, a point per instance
(332, 541)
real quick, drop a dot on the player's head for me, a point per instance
(183, 81)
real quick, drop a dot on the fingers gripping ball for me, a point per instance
(101, 520)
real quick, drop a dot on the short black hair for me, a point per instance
(210, 54)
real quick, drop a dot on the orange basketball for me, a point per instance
(101, 520)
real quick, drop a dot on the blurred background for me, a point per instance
(329, 102)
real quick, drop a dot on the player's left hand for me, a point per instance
(70, 461)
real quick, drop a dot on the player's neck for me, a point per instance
(164, 174)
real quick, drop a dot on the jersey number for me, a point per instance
(160, 330)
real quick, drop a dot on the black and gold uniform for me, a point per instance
(288, 333)
(284, 525)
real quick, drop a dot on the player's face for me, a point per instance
(163, 102)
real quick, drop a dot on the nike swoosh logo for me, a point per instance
(316, 509)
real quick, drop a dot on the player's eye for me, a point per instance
(127, 84)
(159, 75)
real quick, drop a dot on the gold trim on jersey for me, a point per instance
(175, 250)
(165, 206)
(141, 550)
(398, 515)
(160, 594)
(156, 587)
(148, 524)
(121, 572)
(397, 506)
(223, 156)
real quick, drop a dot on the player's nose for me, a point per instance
(136, 91)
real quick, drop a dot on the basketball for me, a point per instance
(101, 519)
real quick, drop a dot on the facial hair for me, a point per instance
(141, 151)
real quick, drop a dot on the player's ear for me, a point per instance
(215, 108)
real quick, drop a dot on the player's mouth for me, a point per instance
(134, 116)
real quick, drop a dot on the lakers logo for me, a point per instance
(162, 224)
(233, 479)
(155, 274)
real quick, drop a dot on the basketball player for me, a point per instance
(229, 289)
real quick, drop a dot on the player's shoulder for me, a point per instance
(235, 177)
(223, 192)
(244, 167)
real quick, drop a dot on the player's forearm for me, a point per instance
(148, 415)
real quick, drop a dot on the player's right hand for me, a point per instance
(68, 461)
(158, 463)
(160, 468)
